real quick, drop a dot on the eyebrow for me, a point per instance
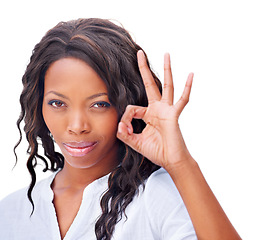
(63, 96)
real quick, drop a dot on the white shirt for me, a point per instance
(156, 213)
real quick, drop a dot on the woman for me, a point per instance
(88, 87)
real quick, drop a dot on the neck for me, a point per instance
(78, 178)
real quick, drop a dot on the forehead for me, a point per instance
(72, 74)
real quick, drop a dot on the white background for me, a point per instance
(225, 125)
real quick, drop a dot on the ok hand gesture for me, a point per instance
(161, 140)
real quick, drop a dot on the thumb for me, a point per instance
(126, 135)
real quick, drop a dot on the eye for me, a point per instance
(56, 103)
(101, 105)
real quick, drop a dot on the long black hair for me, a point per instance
(112, 53)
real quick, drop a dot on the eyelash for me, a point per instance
(52, 102)
(62, 104)
(104, 105)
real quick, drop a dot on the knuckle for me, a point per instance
(167, 85)
(185, 100)
(129, 109)
(149, 84)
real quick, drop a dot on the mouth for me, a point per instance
(79, 149)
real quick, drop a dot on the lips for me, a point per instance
(79, 149)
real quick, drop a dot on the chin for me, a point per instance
(80, 163)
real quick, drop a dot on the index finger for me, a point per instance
(151, 88)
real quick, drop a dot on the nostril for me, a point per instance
(78, 122)
(78, 131)
(79, 127)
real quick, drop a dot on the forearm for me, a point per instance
(208, 218)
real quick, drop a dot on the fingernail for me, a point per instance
(129, 130)
(120, 127)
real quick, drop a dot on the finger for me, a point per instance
(131, 139)
(151, 88)
(168, 91)
(125, 129)
(182, 102)
(131, 112)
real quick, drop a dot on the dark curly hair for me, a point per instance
(111, 52)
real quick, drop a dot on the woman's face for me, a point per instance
(77, 111)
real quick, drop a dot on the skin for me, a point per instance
(161, 141)
(76, 110)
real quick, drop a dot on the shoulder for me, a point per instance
(160, 194)
(13, 209)
(165, 208)
(16, 209)
(14, 199)
(18, 200)
(160, 184)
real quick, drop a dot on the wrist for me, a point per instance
(182, 167)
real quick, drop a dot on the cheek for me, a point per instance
(53, 124)
(108, 125)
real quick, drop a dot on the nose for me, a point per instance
(79, 123)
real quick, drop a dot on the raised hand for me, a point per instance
(161, 141)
